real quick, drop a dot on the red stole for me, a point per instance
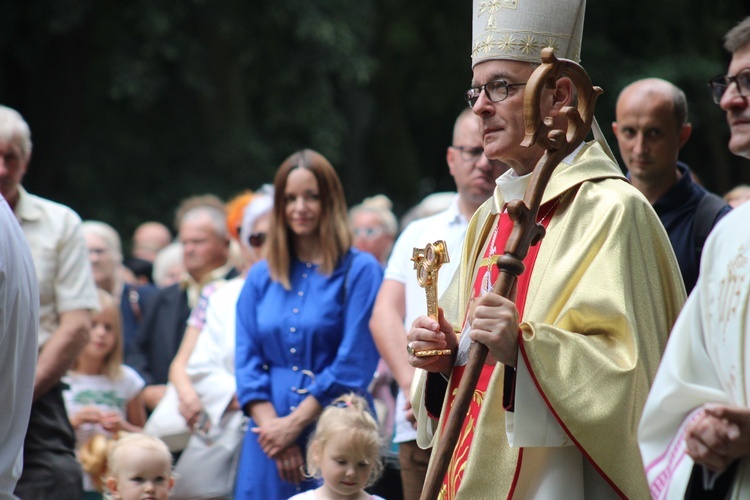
(486, 276)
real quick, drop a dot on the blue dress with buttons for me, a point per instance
(313, 339)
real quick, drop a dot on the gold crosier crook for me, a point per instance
(526, 231)
(427, 262)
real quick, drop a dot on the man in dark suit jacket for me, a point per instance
(205, 242)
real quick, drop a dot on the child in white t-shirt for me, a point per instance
(344, 451)
(104, 396)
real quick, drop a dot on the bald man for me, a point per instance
(651, 128)
(149, 238)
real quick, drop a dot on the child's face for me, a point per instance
(102, 337)
(144, 475)
(343, 470)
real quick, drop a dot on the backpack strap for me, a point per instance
(705, 217)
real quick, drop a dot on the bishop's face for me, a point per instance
(501, 123)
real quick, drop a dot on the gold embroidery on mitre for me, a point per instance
(487, 45)
(505, 44)
(523, 44)
(529, 45)
(502, 30)
(553, 43)
(492, 6)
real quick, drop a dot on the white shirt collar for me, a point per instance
(456, 217)
(513, 187)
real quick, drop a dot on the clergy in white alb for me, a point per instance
(706, 361)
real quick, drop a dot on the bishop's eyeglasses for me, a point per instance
(720, 84)
(496, 91)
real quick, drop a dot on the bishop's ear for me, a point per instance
(563, 95)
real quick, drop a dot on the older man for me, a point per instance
(573, 354)
(651, 128)
(205, 243)
(697, 417)
(105, 255)
(67, 295)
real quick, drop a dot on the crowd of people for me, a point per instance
(280, 344)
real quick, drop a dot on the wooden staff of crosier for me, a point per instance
(526, 231)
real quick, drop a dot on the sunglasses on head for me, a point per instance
(257, 239)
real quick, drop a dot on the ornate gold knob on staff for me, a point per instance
(427, 262)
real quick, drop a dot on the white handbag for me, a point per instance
(167, 423)
(208, 465)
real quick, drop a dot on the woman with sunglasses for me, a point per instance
(302, 326)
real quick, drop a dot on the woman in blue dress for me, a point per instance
(302, 327)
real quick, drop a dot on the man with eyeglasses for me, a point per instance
(572, 355)
(401, 299)
(695, 430)
(651, 128)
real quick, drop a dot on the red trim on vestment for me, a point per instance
(516, 473)
(562, 424)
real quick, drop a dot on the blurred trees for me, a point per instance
(135, 104)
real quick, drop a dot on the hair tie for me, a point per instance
(342, 404)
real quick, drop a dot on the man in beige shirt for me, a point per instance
(67, 295)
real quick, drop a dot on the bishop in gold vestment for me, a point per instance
(601, 299)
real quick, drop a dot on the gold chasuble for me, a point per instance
(598, 302)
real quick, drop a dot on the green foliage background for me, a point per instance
(136, 104)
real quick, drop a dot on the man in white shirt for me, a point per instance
(401, 299)
(19, 323)
(67, 295)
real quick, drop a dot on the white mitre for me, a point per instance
(518, 30)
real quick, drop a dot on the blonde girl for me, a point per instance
(344, 451)
(104, 396)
